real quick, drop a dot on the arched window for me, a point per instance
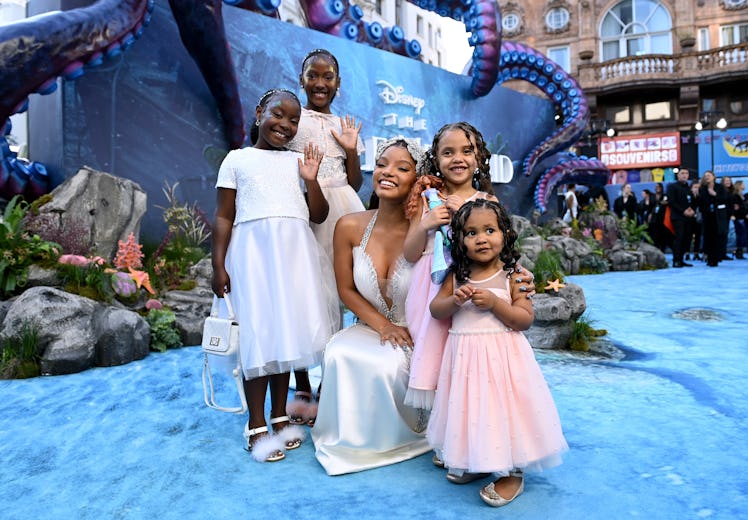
(510, 22)
(632, 28)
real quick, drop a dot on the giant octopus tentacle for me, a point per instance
(35, 51)
(582, 170)
(518, 61)
(201, 28)
(483, 19)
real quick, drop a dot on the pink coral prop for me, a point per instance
(129, 254)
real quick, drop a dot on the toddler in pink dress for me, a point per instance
(493, 411)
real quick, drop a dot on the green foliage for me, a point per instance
(19, 359)
(634, 233)
(90, 281)
(184, 244)
(583, 333)
(547, 268)
(164, 334)
(20, 248)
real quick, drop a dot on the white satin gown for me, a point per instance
(362, 422)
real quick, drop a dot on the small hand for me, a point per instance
(309, 167)
(220, 282)
(439, 216)
(397, 336)
(483, 299)
(454, 203)
(463, 294)
(348, 137)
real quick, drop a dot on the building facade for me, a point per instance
(650, 68)
(416, 23)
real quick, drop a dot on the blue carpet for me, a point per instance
(660, 434)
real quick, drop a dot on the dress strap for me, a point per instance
(367, 231)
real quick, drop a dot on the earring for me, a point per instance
(257, 122)
(338, 91)
(476, 178)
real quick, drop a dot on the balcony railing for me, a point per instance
(649, 69)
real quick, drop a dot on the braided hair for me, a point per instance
(254, 131)
(321, 52)
(461, 263)
(482, 176)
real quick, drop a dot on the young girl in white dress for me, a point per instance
(339, 176)
(493, 411)
(265, 255)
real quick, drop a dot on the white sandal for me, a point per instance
(267, 448)
(291, 435)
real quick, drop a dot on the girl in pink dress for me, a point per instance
(457, 166)
(493, 411)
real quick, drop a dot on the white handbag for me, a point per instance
(221, 344)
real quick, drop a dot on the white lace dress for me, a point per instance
(315, 127)
(362, 422)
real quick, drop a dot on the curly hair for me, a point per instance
(461, 263)
(482, 154)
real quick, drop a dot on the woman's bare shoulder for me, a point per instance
(353, 224)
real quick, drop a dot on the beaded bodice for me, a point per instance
(315, 127)
(368, 284)
(267, 184)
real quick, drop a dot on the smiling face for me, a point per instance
(456, 158)
(394, 174)
(320, 81)
(483, 238)
(279, 121)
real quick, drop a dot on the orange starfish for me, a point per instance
(141, 279)
(554, 285)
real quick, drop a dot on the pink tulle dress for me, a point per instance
(493, 411)
(429, 335)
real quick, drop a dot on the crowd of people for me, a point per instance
(436, 360)
(691, 218)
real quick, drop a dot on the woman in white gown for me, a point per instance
(362, 422)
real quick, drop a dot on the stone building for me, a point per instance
(651, 70)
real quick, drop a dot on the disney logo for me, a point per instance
(392, 95)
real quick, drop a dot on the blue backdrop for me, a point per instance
(149, 116)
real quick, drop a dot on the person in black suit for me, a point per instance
(625, 205)
(682, 214)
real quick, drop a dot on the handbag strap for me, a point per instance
(214, 308)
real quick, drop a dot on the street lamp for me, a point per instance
(711, 118)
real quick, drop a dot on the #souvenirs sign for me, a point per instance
(641, 151)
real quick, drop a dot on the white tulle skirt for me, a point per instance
(281, 295)
(342, 199)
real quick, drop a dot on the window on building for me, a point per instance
(438, 58)
(708, 104)
(561, 56)
(510, 22)
(634, 28)
(703, 38)
(431, 36)
(378, 6)
(733, 34)
(557, 18)
(618, 115)
(419, 25)
(657, 111)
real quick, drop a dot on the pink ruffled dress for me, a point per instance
(429, 335)
(493, 411)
